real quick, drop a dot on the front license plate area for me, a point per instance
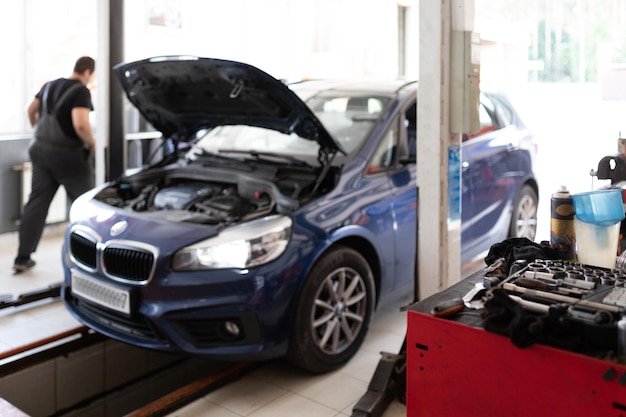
(101, 293)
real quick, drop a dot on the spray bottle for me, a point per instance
(562, 235)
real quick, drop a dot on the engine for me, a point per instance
(179, 197)
(190, 201)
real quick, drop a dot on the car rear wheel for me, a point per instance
(524, 218)
(333, 313)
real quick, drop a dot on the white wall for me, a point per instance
(289, 39)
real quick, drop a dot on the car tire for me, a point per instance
(524, 217)
(334, 311)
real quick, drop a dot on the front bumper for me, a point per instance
(228, 333)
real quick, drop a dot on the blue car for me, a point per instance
(279, 217)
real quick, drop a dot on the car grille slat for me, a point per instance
(121, 260)
(131, 264)
(83, 250)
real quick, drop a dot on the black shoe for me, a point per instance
(21, 265)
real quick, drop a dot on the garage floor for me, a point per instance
(275, 389)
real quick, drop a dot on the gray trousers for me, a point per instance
(52, 166)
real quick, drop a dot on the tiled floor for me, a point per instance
(48, 257)
(275, 389)
(20, 326)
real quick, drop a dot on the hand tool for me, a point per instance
(593, 317)
(587, 285)
(491, 282)
(546, 285)
(472, 300)
(448, 308)
(531, 305)
(474, 297)
(518, 266)
(578, 283)
(545, 295)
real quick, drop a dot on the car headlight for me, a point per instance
(243, 246)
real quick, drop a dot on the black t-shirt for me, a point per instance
(81, 97)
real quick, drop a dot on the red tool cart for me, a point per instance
(456, 368)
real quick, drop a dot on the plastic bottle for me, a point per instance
(562, 234)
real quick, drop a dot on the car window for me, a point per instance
(410, 122)
(506, 113)
(385, 154)
(348, 118)
(487, 116)
(249, 138)
(395, 146)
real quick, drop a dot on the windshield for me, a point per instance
(348, 118)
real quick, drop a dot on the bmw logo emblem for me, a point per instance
(119, 228)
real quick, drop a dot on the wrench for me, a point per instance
(474, 298)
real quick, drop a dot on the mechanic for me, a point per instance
(60, 152)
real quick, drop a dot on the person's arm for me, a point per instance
(80, 121)
(33, 111)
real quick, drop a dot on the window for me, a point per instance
(11, 81)
(348, 118)
(505, 111)
(410, 121)
(40, 50)
(385, 154)
(487, 117)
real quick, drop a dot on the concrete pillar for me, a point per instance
(438, 150)
(103, 64)
(117, 133)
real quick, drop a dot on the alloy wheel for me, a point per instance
(526, 219)
(339, 310)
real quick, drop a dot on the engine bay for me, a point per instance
(216, 199)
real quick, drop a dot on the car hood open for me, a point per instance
(180, 95)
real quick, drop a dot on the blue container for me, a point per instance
(600, 207)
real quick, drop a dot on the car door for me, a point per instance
(382, 200)
(395, 159)
(488, 175)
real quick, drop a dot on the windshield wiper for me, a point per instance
(214, 154)
(269, 157)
